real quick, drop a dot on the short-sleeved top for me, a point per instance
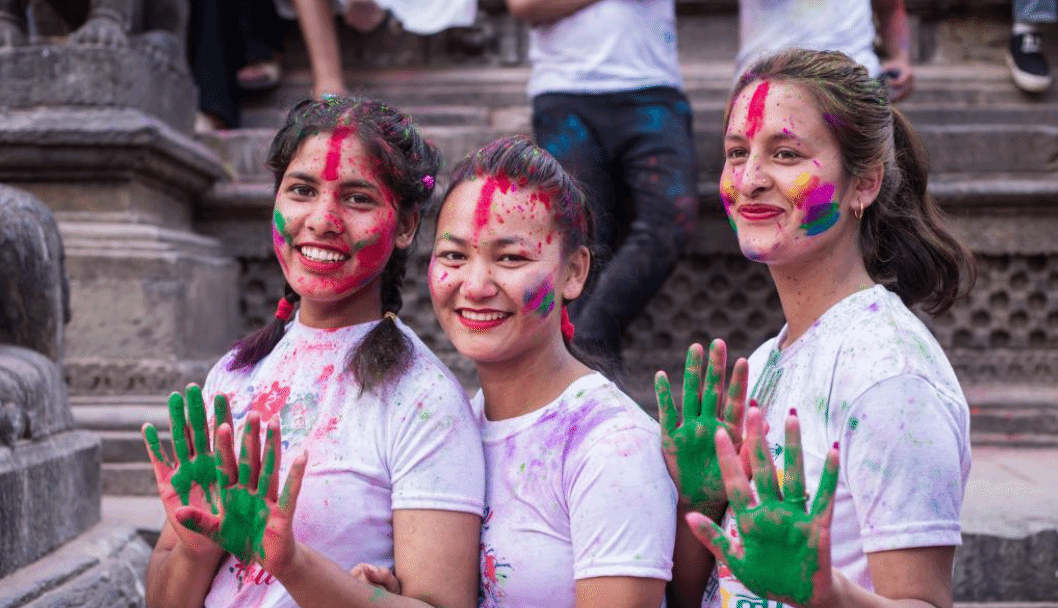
(870, 376)
(576, 489)
(606, 47)
(769, 26)
(413, 445)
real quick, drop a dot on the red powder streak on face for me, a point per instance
(488, 190)
(755, 113)
(543, 198)
(334, 153)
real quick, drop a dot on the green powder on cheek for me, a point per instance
(281, 225)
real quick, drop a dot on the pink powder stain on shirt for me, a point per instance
(334, 153)
(326, 374)
(755, 112)
(270, 403)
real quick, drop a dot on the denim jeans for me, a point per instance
(1036, 11)
(633, 151)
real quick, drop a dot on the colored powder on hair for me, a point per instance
(755, 112)
(334, 152)
(541, 299)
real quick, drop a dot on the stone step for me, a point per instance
(126, 446)
(128, 479)
(120, 417)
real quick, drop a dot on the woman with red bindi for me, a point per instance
(374, 436)
(856, 430)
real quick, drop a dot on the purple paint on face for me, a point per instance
(541, 299)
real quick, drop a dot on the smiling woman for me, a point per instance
(384, 461)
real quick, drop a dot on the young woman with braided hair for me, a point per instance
(387, 463)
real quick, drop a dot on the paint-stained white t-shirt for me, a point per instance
(606, 47)
(577, 489)
(769, 26)
(869, 375)
(415, 445)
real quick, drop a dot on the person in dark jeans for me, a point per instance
(1028, 65)
(608, 103)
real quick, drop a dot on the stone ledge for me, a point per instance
(64, 144)
(104, 567)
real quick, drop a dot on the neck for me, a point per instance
(515, 388)
(809, 289)
(360, 307)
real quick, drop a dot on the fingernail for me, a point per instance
(835, 445)
(793, 411)
(753, 403)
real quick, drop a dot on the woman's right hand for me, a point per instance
(377, 576)
(192, 479)
(689, 447)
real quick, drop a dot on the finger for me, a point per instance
(714, 378)
(268, 484)
(735, 405)
(712, 536)
(823, 504)
(178, 427)
(793, 486)
(250, 440)
(255, 449)
(154, 446)
(221, 414)
(735, 483)
(288, 500)
(197, 520)
(692, 377)
(196, 415)
(764, 476)
(227, 466)
(666, 409)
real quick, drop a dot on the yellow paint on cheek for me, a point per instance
(802, 187)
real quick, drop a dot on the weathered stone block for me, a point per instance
(992, 568)
(49, 493)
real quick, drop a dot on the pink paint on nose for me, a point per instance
(755, 113)
(334, 153)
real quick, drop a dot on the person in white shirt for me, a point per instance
(825, 182)
(383, 456)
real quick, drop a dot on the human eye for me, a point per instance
(449, 256)
(359, 199)
(512, 259)
(735, 152)
(787, 154)
(301, 190)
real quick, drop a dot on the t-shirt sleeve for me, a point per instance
(905, 458)
(435, 456)
(622, 506)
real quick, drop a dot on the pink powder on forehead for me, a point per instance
(488, 190)
(755, 112)
(334, 152)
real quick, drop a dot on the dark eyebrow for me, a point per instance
(511, 240)
(355, 183)
(445, 236)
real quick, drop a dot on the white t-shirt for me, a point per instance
(869, 375)
(608, 46)
(576, 489)
(416, 445)
(416, 16)
(769, 26)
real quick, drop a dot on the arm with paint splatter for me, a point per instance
(690, 455)
(183, 561)
(781, 552)
(895, 30)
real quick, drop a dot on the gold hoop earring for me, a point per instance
(858, 212)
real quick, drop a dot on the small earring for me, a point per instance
(858, 212)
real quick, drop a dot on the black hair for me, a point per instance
(407, 164)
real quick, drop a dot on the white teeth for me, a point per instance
(322, 255)
(482, 316)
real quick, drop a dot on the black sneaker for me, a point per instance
(1028, 66)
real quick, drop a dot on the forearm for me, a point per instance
(847, 594)
(538, 11)
(895, 29)
(321, 37)
(692, 564)
(314, 581)
(177, 577)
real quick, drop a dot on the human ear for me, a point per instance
(577, 266)
(867, 186)
(407, 226)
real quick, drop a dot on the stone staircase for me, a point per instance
(994, 154)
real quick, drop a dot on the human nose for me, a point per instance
(478, 282)
(753, 177)
(324, 216)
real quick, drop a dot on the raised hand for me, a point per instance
(191, 480)
(689, 447)
(255, 520)
(781, 552)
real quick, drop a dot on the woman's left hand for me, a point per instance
(255, 521)
(781, 551)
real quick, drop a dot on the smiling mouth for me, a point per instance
(483, 317)
(317, 254)
(759, 212)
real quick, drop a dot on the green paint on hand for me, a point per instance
(151, 434)
(246, 513)
(202, 469)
